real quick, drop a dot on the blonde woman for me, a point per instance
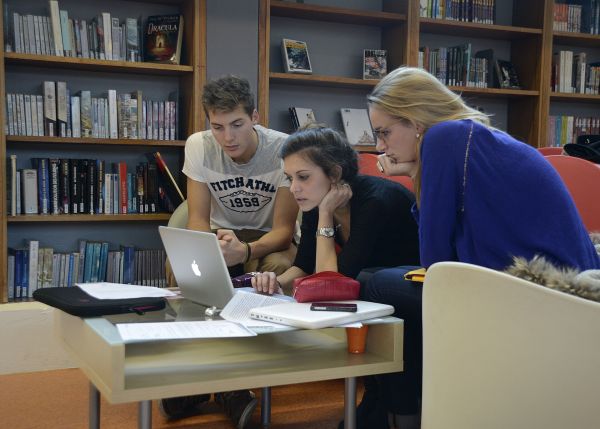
(482, 197)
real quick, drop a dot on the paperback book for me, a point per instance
(301, 117)
(357, 126)
(374, 63)
(507, 75)
(295, 56)
(162, 39)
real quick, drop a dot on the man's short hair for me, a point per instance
(226, 94)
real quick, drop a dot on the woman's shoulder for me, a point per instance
(449, 129)
(442, 138)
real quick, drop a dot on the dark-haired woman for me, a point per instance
(368, 217)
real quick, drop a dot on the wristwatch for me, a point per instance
(327, 231)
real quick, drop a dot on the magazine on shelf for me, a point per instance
(295, 56)
(302, 116)
(374, 63)
(507, 75)
(357, 126)
(162, 38)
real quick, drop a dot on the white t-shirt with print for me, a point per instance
(242, 195)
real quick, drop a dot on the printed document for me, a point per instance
(181, 330)
(238, 308)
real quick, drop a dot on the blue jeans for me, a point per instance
(401, 392)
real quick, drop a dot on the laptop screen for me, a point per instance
(198, 265)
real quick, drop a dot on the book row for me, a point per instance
(572, 73)
(33, 267)
(566, 129)
(578, 16)
(84, 186)
(102, 37)
(480, 11)
(457, 66)
(116, 116)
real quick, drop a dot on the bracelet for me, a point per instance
(248, 252)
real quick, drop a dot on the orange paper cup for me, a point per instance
(357, 339)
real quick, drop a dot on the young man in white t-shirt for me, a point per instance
(237, 188)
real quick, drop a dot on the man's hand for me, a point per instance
(266, 283)
(339, 194)
(390, 167)
(234, 251)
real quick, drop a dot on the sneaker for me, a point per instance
(182, 406)
(239, 406)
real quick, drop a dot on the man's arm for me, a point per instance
(279, 238)
(198, 198)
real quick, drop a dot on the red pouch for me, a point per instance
(325, 286)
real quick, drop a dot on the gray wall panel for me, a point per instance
(232, 39)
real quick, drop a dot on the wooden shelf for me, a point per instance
(90, 218)
(156, 80)
(470, 29)
(321, 80)
(494, 92)
(579, 98)
(577, 39)
(96, 65)
(345, 82)
(335, 14)
(96, 141)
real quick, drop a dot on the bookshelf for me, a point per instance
(24, 72)
(561, 103)
(522, 34)
(337, 61)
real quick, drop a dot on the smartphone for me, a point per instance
(333, 306)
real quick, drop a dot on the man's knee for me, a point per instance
(277, 262)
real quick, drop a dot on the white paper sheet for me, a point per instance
(182, 330)
(105, 290)
(238, 308)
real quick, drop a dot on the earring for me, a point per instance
(418, 136)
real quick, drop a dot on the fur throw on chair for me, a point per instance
(585, 284)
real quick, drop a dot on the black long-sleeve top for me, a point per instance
(383, 231)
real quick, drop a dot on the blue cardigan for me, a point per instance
(513, 202)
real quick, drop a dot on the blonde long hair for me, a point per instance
(414, 96)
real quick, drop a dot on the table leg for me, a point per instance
(350, 403)
(94, 408)
(265, 407)
(145, 415)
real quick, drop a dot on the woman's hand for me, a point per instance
(234, 251)
(390, 167)
(266, 283)
(339, 194)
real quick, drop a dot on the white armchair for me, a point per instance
(500, 352)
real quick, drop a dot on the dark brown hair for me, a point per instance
(324, 147)
(226, 94)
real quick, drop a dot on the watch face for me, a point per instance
(326, 232)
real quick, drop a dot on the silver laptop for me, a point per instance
(198, 266)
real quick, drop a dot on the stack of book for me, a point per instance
(56, 113)
(84, 186)
(33, 267)
(102, 37)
